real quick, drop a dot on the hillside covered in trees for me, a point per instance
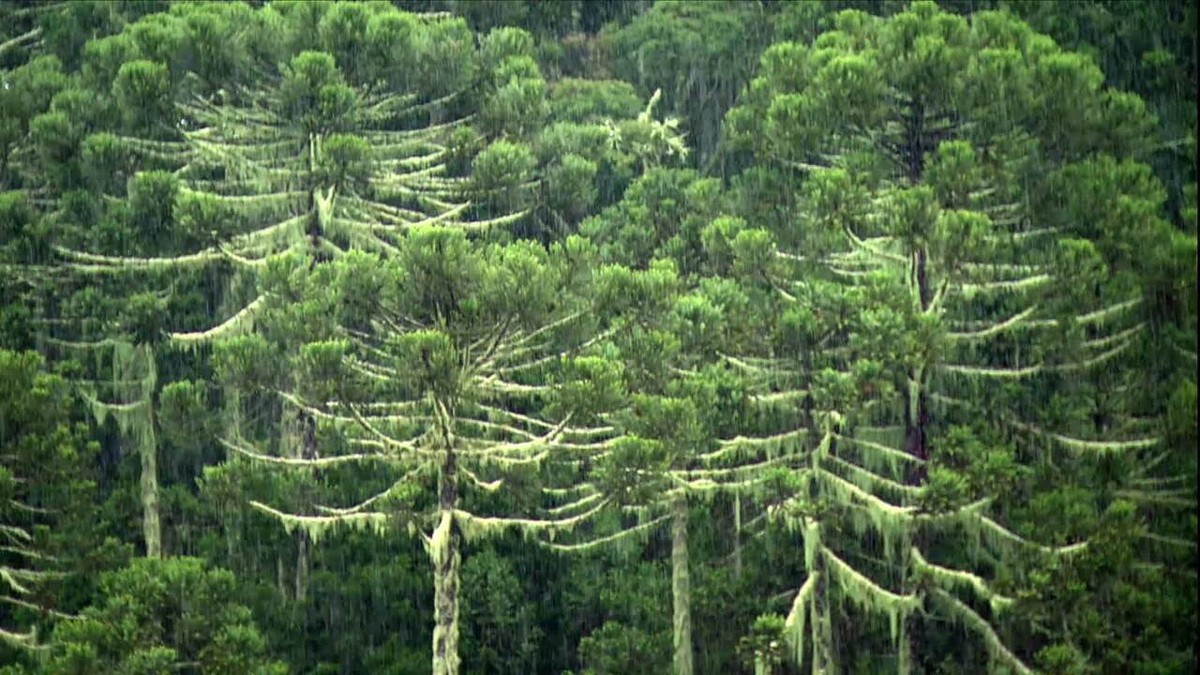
(605, 337)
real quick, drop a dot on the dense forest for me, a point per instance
(608, 337)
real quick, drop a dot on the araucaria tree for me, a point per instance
(611, 338)
(678, 424)
(451, 366)
(298, 160)
(936, 147)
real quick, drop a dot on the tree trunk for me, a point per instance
(823, 662)
(444, 555)
(281, 578)
(308, 450)
(823, 656)
(916, 403)
(303, 555)
(141, 365)
(681, 587)
(232, 420)
(737, 536)
(151, 522)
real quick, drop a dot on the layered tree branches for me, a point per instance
(958, 286)
(444, 373)
(41, 492)
(298, 162)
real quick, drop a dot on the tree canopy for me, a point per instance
(436, 336)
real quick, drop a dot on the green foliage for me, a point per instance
(223, 40)
(27, 92)
(185, 420)
(503, 43)
(438, 273)
(499, 173)
(56, 139)
(634, 470)
(1181, 424)
(106, 164)
(570, 187)
(340, 30)
(160, 38)
(155, 616)
(588, 387)
(590, 101)
(142, 89)
(699, 54)
(319, 370)
(68, 32)
(445, 62)
(152, 199)
(430, 360)
(518, 106)
(616, 648)
(103, 59)
(1096, 594)
(502, 633)
(313, 94)
(17, 219)
(46, 493)
(963, 231)
(919, 136)
(203, 220)
(662, 214)
(390, 42)
(519, 283)
(762, 651)
(346, 164)
(246, 362)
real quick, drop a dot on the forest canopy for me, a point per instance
(604, 337)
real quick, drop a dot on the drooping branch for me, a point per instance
(301, 462)
(972, 620)
(949, 579)
(621, 535)
(794, 623)
(475, 527)
(317, 527)
(241, 322)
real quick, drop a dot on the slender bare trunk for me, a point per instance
(737, 536)
(141, 366)
(280, 578)
(917, 423)
(303, 555)
(918, 142)
(445, 557)
(681, 587)
(308, 450)
(151, 522)
(232, 421)
(824, 662)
